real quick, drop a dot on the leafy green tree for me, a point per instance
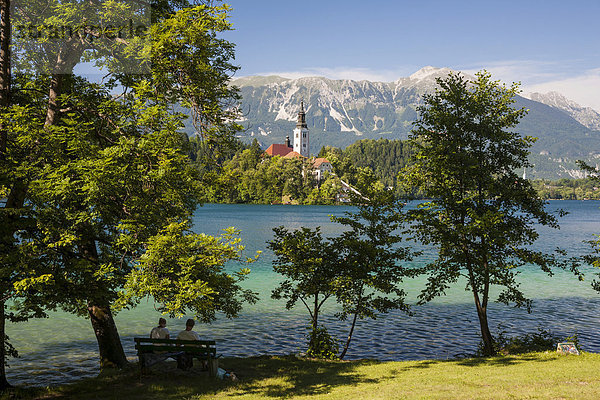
(310, 266)
(17, 257)
(594, 257)
(372, 271)
(482, 219)
(183, 271)
(107, 189)
(92, 176)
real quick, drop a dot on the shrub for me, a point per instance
(322, 345)
(542, 340)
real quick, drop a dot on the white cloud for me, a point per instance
(583, 89)
(518, 71)
(537, 76)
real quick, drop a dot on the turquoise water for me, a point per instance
(63, 347)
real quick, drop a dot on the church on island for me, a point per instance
(301, 147)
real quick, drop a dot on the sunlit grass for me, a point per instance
(531, 376)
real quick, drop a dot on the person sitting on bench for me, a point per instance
(188, 333)
(160, 332)
(186, 361)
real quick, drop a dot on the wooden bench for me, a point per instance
(153, 351)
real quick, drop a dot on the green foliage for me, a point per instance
(372, 271)
(483, 216)
(192, 66)
(253, 177)
(183, 271)
(386, 158)
(310, 266)
(573, 338)
(307, 261)
(93, 180)
(542, 340)
(249, 177)
(115, 177)
(594, 257)
(567, 189)
(322, 345)
(359, 267)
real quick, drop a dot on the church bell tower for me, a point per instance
(301, 133)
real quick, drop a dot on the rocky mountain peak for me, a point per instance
(429, 71)
(586, 116)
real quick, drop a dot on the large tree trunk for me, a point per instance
(4, 102)
(54, 92)
(314, 324)
(315, 321)
(109, 343)
(3, 381)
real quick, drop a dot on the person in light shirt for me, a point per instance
(188, 333)
(186, 361)
(160, 332)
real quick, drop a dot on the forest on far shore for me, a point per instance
(246, 175)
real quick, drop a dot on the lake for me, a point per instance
(63, 348)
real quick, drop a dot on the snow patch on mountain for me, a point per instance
(336, 115)
(377, 119)
(283, 114)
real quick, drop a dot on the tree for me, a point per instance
(370, 250)
(97, 176)
(593, 258)
(37, 53)
(359, 268)
(183, 271)
(482, 217)
(310, 266)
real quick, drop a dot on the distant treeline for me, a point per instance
(384, 157)
(567, 189)
(247, 175)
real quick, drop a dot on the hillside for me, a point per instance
(340, 112)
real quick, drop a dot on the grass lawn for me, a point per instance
(529, 376)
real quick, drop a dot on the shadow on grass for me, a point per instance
(502, 360)
(264, 376)
(289, 375)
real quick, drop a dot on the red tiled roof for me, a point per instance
(317, 163)
(278, 150)
(293, 154)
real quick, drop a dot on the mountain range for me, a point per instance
(340, 112)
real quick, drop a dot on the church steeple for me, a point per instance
(301, 117)
(301, 142)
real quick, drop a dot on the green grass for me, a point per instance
(529, 376)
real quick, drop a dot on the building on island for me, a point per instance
(301, 142)
(293, 154)
(281, 150)
(322, 165)
(301, 147)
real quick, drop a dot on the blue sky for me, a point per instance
(547, 45)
